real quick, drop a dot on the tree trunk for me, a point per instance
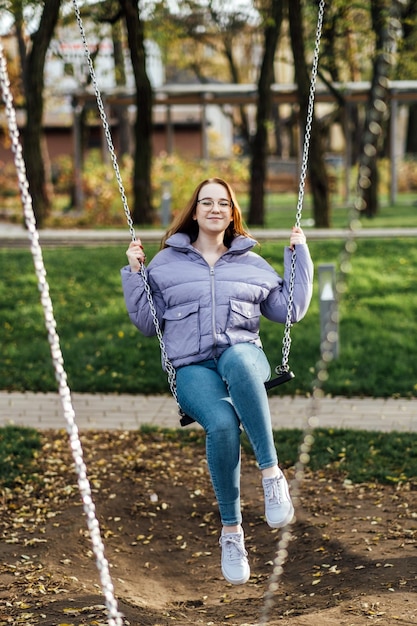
(409, 25)
(120, 111)
(411, 142)
(259, 144)
(142, 211)
(234, 73)
(33, 141)
(278, 130)
(374, 118)
(317, 170)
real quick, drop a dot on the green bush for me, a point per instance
(180, 176)
(102, 201)
(172, 173)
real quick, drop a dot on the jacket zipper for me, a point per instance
(213, 307)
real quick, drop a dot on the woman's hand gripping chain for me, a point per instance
(136, 255)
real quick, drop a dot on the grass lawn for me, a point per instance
(103, 351)
(281, 209)
(358, 456)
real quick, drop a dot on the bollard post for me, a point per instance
(329, 315)
(166, 204)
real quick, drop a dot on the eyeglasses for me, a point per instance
(208, 204)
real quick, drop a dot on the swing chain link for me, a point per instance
(114, 617)
(286, 341)
(169, 368)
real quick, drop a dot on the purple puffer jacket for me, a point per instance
(201, 309)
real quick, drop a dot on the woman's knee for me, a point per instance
(225, 429)
(223, 423)
(199, 391)
(244, 360)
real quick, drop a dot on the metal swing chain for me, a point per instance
(373, 132)
(169, 368)
(286, 341)
(114, 617)
(308, 438)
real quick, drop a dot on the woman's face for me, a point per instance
(214, 209)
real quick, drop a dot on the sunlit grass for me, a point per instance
(357, 456)
(281, 209)
(18, 450)
(103, 352)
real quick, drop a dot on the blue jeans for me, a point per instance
(221, 395)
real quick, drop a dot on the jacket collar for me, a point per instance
(240, 244)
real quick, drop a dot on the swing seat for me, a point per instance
(283, 377)
(185, 419)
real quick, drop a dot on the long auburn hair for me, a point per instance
(184, 222)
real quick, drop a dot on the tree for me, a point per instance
(407, 66)
(345, 31)
(317, 170)
(220, 28)
(259, 143)
(32, 52)
(121, 111)
(110, 12)
(142, 210)
(208, 41)
(382, 12)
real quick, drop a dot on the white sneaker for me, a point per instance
(235, 565)
(279, 509)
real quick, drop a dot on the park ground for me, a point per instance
(352, 559)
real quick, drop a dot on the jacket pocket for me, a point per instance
(243, 322)
(181, 330)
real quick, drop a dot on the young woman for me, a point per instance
(209, 290)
